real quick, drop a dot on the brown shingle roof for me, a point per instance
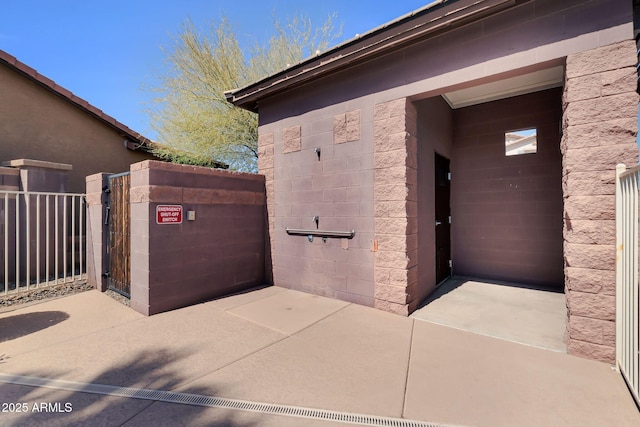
(22, 68)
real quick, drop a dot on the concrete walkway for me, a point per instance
(284, 347)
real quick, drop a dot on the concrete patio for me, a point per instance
(509, 311)
(280, 346)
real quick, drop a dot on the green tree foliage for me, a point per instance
(195, 123)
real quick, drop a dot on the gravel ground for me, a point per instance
(16, 300)
(42, 293)
(120, 298)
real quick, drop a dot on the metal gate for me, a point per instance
(627, 292)
(119, 247)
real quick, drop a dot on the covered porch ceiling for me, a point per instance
(505, 88)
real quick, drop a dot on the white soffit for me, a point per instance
(513, 86)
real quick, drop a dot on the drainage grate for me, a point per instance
(215, 402)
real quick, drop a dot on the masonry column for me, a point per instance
(97, 230)
(141, 205)
(395, 200)
(599, 130)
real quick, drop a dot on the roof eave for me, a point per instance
(435, 18)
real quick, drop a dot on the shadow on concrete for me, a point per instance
(241, 292)
(149, 369)
(13, 327)
(444, 288)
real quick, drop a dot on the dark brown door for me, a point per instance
(443, 225)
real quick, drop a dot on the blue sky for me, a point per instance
(108, 52)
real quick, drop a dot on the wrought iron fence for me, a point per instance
(627, 293)
(43, 238)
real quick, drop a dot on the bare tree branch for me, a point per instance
(194, 121)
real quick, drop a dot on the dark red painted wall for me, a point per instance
(220, 252)
(507, 210)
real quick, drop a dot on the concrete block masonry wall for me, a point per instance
(266, 168)
(599, 130)
(322, 168)
(174, 265)
(220, 252)
(508, 209)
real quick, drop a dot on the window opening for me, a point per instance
(521, 142)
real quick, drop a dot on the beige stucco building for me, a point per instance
(39, 120)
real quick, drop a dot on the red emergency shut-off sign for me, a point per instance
(169, 214)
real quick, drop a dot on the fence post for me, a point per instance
(10, 182)
(620, 168)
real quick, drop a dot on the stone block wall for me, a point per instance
(599, 131)
(346, 127)
(396, 206)
(292, 139)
